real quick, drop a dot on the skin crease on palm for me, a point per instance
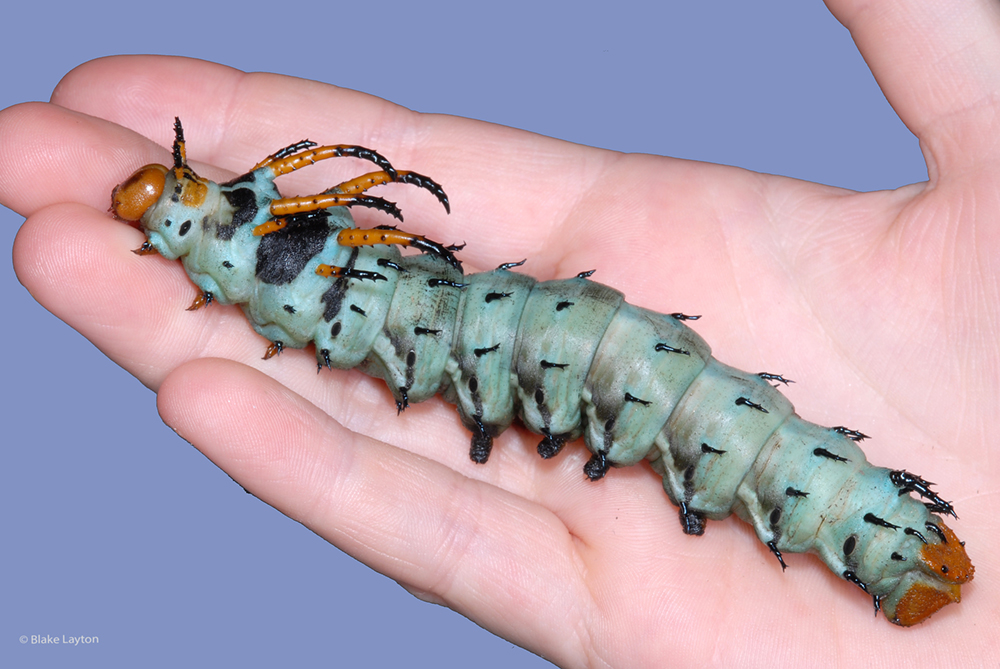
(884, 306)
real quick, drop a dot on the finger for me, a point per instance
(237, 115)
(462, 542)
(78, 264)
(51, 155)
(938, 64)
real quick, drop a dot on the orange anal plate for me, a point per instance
(921, 600)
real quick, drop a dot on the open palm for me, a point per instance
(884, 307)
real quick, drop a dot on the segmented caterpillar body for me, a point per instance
(569, 358)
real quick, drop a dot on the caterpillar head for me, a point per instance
(164, 201)
(133, 197)
(945, 566)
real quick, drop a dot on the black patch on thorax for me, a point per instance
(282, 255)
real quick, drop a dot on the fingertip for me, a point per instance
(146, 92)
(271, 440)
(51, 155)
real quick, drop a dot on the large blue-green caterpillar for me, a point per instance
(569, 358)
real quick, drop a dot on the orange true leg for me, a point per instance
(204, 298)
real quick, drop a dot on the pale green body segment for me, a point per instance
(568, 358)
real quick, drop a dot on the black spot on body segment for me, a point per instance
(822, 452)
(335, 330)
(564, 305)
(411, 358)
(775, 517)
(358, 310)
(289, 308)
(490, 297)
(227, 264)
(539, 396)
(185, 228)
(896, 556)
(705, 448)
(473, 384)
(609, 424)
(849, 545)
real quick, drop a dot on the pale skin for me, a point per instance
(884, 307)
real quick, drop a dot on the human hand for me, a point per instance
(834, 289)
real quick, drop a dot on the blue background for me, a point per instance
(112, 526)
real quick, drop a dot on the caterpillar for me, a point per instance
(568, 358)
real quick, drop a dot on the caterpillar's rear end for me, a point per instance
(637, 384)
(569, 358)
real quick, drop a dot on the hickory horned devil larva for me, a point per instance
(567, 357)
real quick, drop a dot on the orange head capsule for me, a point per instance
(131, 199)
